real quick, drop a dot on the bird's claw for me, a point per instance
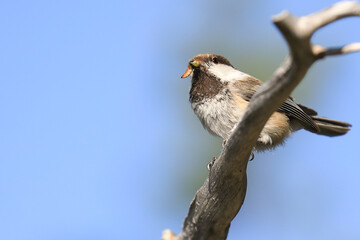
(211, 163)
(252, 156)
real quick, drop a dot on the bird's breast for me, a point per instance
(221, 113)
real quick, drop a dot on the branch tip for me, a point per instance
(281, 16)
(167, 234)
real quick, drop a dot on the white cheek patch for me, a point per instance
(226, 73)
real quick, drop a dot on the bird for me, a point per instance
(220, 93)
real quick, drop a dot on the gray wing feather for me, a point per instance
(291, 109)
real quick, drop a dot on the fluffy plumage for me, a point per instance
(220, 93)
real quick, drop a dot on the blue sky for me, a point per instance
(98, 140)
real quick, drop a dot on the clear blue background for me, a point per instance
(98, 140)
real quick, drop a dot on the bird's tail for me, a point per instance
(327, 127)
(330, 127)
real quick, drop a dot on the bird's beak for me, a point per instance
(187, 72)
(190, 68)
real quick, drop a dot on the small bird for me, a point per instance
(220, 93)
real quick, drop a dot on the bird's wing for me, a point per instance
(247, 87)
(290, 108)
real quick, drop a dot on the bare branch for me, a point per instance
(337, 11)
(320, 51)
(298, 30)
(218, 201)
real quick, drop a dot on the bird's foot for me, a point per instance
(224, 143)
(252, 156)
(211, 163)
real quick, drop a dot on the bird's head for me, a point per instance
(210, 64)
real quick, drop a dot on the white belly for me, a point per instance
(221, 114)
(218, 115)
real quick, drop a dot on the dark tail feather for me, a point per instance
(330, 127)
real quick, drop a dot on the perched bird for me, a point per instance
(220, 93)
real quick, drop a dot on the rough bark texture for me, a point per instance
(218, 201)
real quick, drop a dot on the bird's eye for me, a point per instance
(215, 60)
